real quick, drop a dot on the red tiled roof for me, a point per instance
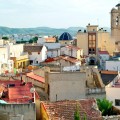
(103, 52)
(36, 77)
(5, 83)
(66, 109)
(49, 60)
(18, 93)
(50, 39)
(67, 58)
(72, 47)
(1, 88)
(70, 59)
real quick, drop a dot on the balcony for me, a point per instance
(23, 56)
(95, 91)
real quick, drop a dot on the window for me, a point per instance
(38, 53)
(117, 102)
(30, 53)
(90, 37)
(117, 21)
(93, 37)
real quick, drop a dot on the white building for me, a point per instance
(37, 53)
(112, 91)
(72, 51)
(11, 55)
(113, 65)
(103, 56)
(5, 63)
(41, 40)
(53, 49)
(15, 50)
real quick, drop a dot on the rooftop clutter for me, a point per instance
(17, 92)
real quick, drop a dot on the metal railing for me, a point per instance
(95, 91)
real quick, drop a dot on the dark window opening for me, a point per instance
(117, 102)
(92, 61)
(31, 61)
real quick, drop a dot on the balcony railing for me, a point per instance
(24, 56)
(95, 91)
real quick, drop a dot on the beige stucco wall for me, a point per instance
(66, 42)
(92, 28)
(41, 71)
(104, 42)
(35, 82)
(66, 85)
(112, 94)
(82, 42)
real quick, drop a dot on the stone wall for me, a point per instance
(18, 111)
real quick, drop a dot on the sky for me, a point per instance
(55, 13)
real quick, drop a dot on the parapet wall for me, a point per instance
(18, 111)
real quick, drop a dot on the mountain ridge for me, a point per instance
(42, 30)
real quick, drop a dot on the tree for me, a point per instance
(85, 117)
(56, 37)
(33, 40)
(30, 41)
(77, 113)
(105, 106)
(5, 38)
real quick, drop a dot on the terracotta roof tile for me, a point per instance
(103, 52)
(32, 48)
(67, 58)
(16, 92)
(65, 109)
(73, 47)
(36, 77)
(70, 59)
(50, 39)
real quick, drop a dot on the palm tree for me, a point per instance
(105, 106)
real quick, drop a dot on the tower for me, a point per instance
(115, 23)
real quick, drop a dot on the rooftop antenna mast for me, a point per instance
(97, 21)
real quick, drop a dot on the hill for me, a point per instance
(41, 30)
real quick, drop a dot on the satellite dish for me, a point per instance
(32, 90)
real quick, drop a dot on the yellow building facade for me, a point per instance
(20, 62)
(92, 40)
